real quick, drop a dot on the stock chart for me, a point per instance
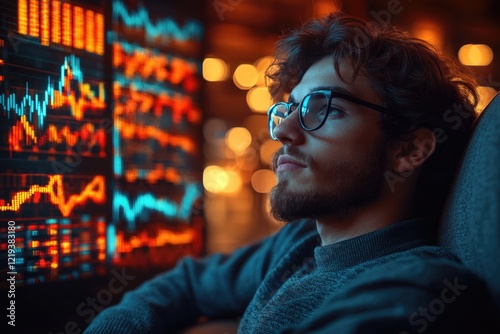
(157, 122)
(100, 119)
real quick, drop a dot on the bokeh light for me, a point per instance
(259, 99)
(218, 180)
(263, 63)
(238, 139)
(267, 150)
(429, 31)
(235, 182)
(324, 7)
(215, 179)
(245, 76)
(247, 160)
(215, 69)
(475, 55)
(263, 181)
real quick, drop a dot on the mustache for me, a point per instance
(292, 152)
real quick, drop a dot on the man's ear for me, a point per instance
(413, 152)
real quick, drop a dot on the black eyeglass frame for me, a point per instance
(329, 94)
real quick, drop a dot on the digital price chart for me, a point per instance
(100, 127)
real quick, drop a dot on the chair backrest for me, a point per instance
(470, 227)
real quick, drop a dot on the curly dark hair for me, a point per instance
(418, 86)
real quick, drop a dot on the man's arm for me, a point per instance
(216, 286)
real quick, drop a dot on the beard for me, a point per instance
(352, 184)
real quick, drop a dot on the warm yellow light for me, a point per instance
(235, 182)
(324, 7)
(245, 76)
(263, 63)
(267, 150)
(429, 31)
(486, 94)
(218, 180)
(247, 160)
(215, 69)
(238, 139)
(259, 99)
(475, 55)
(263, 180)
(262, 80)
(215, 179)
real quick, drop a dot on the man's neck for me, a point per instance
(371, 217)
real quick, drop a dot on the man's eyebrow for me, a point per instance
(332, 88)
(292, 99)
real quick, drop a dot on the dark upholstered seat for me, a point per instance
(470, 226)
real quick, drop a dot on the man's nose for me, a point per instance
(289, 130)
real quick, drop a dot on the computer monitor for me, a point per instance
(100, 157)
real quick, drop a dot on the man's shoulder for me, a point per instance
(422, 289)
(428, 267)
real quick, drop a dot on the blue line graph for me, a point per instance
(146, 203)
(40, 102)
(110, 240)
(165, 28)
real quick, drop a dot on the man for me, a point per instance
(372, 131)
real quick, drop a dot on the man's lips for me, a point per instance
(286, 162)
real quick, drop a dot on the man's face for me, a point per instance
(337, 168)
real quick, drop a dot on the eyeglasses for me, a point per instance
(313, 109)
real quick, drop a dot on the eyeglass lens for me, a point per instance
(278, 114)
(312, 113)
(313, 110)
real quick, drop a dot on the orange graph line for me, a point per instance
(130, 131)
(93, 190)
(87, 133)
(22, 130)
(158, 173)
(163, 238)
(23, 134)
(78, 100)
(150, 65)
(137, 101)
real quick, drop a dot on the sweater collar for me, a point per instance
(390, 239)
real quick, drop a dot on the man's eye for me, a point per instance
(332, 112)
(322, 110)
(335, 111)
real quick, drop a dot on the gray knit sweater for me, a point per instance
(387, 281)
